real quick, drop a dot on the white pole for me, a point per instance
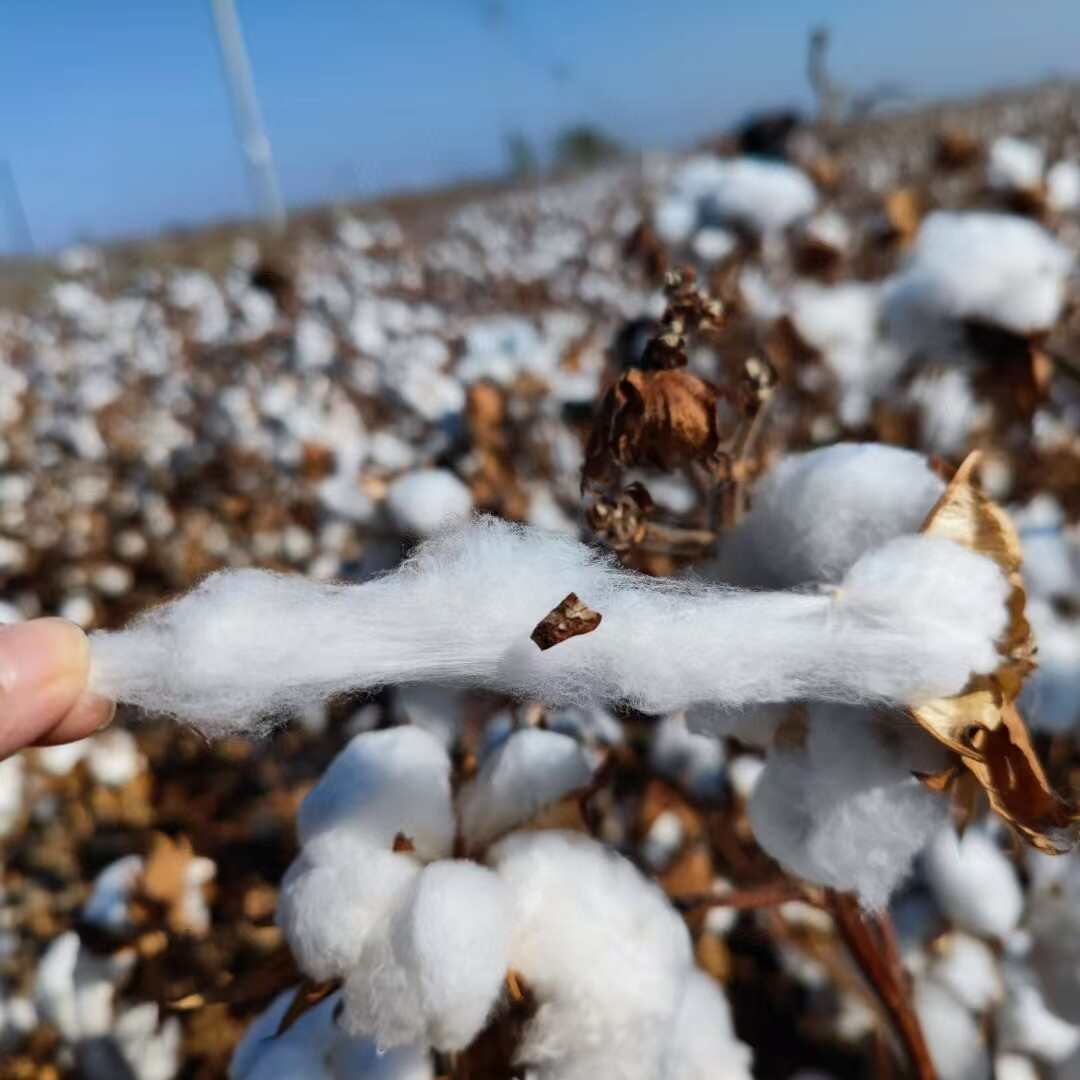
(250, 132)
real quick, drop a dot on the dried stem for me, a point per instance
(757, 896)
(872, 943)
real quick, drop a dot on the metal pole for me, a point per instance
(250, 132)
(18, 223)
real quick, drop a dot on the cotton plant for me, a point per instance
(862, 625)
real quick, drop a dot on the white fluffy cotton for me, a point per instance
(845, 811)
(814, 514)
(912, 619)
(702, 1044)
(1014, 164)
(381, 784)
(604, 953)
(437, 972)
(528, 771)
(967, 968)
(422, 502)
(953, 1037)
(974, 883)
(994, 268)
(1027, 1025)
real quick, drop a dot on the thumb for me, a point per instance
(43, 696)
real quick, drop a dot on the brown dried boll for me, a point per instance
(666, 420)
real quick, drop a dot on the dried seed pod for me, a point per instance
(571, 618)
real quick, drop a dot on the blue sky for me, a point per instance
(114, 119)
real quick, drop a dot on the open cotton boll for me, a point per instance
(913, 620)
(151, 1048)
(1063, 186)
(381, 784)
(1025, 1024)
(967, 968)
(1054, 922)
(1014, 164)
(948, 410)
(814, 514)
(603, 951)
(702, 1044)
(328, 909)
(528, 771)
(422, 502)
(1051, 697)
(974, 883)
(436, 973)
(845, 811)
(843, 323)
(114, 758)
(995, 268)
(760, 195)
(693, 760)
(953, 1037)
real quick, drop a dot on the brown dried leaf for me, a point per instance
(571, 618)
(982, 724)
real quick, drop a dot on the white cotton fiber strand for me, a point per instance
(381, 784)
(438, 971)
(605, 954)
(912, 619)
(844, 810)
(816, 513)
(526, 772)
(994, 268)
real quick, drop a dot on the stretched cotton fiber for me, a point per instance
(845, 811)
(702, 1044)
(974, 883)
(329, 909)
(381, 784)
(528, 771)
(995, 268)
(439, 969)
(603, 951)
(814, 514)
(912, 620)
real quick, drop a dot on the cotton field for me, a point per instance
(624, 624)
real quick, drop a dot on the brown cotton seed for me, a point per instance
(570, 619)
(982, 724)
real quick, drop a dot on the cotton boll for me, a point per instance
(663, 841)
(530, 770)
(114, 758)
(427, 500)
(948, 411)
(1026, 1025)
(816, 513)
(107, 905)
(1014, 164)
(953, 1038)
(713, 244)
(438, 710)
(974, 883)
(702, 1044)
(60, 759)
(693, 760)
(967, 968)
(603, 951)
(151, 1048)
(845, 810)
(381, 784)
(329, 908)
(763, 196)
(1063, 186)
(438, 971)
(1054, 922)
(752, 725)
(1051, 697)
(675, 219)
(995, 268)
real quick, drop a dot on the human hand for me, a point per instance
(43, 694)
